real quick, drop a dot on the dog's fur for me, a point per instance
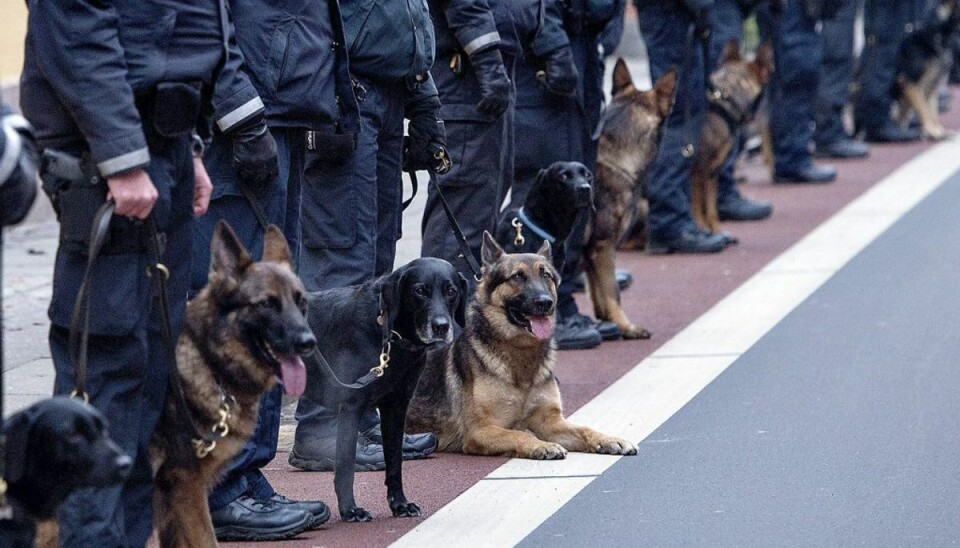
(560, 195)
(628, 144)
(418, 303)
(737, 84)
(54, 447)
(245, 329)
(493, 392)
(923, 64)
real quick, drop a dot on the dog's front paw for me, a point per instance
(616, 446)
(355, 514)
(633, 332)
(405, 509)
(548, 451)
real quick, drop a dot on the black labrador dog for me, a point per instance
(391, 321)
(559, 195)
(54, 447)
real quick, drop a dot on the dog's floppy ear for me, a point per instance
(545, 251)
(730, 53)
(663, 92)
(460, 314)
(228, 257)
(621, 78)
(17, 432)
(390, 296)
(763, 64)
(275, 248)
(490, 252)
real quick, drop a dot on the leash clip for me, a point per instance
(203, 448)
(161, 268)
(518, 240)
(80, 395)
(384, 361)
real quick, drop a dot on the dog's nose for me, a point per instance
(440, 327)
(584, 193)
(304, 342)
(121, 467)
(542, 304)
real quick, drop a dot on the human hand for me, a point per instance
(133, 193)
(202, 188)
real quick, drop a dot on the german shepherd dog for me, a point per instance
(493, 392)
(398, 316)
(923, 64)
(737, 89)
(243, 332)
(560, 194)
(628, 144)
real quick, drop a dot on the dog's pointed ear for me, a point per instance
(275, 248)
(490, 251)
(545, 251)
(228, 257)
(663, 92)
(17, 432)
(460, 314)
(763, 64)
(730, 53)
(622, 81)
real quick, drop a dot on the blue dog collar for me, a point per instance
(536, 229)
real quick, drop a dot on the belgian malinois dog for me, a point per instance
(923, 64)
(737, 90)
(628, 144)
(493, 391)
(246, 330)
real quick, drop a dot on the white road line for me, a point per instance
(515, 499)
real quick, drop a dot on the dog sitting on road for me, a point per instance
(628, 144)
(245, 331)
(493, 392)
(387, 323)
(52, 448)
(737, 90)
(923, 64)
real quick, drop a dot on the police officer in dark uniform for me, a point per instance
(885, 24)
(294, 55)
(18, 167)
(478, 43)
(351, 199)
(836, 73)
(120, 86)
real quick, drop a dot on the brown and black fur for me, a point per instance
(493, 392)
(737, 87)
(628, 144)
(247, 315)
(924, 62)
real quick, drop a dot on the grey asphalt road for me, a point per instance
(839, 428)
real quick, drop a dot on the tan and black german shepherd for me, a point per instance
(493, 392)
(245, 331)
(628, 144)
(737, 88)
(924, 62)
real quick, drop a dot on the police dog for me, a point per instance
(628, 144)
(737, 90)
(493, 392)
(243, 332)
(923, 64)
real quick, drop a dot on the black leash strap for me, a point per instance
(317, 358)
(416, 186)
(457, 231)
(257, 208)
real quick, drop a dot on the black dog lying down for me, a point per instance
(413, 309)
(54, 447)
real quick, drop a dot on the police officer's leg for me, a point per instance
(389, 181)
(836, 72)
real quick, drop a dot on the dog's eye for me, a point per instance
(272, 302)
(451, 291)
(544, 273)
(520, 277)
(419, 290)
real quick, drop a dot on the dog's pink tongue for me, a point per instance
(293, 374)
(542, 326)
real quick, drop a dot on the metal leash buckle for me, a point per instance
(518, 239)
(203, 448)
(161, 268)
(384, 360)
(80, 395)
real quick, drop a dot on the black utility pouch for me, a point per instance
(176, 108)
(334, 148)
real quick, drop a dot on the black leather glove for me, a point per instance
(559, 75)
(495, 85)
(425, 147)
(18, 188)
(255, 155)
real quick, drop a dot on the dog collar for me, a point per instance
(536, 229)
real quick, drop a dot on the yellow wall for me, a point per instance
(13, 27)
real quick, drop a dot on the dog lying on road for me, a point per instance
(628, 144)
(243, 332)
(399, 316)
(54, 447)
(493, 391)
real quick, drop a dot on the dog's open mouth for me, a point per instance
(292, 372)
(540, 327)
